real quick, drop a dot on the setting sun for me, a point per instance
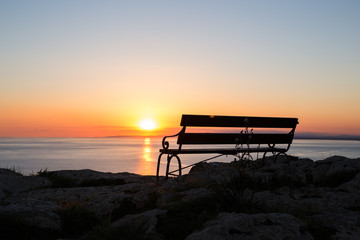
(147, 124)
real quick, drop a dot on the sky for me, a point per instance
(90, 68)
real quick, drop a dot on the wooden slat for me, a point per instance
(234, 121)
(230, 151)
(234, 138)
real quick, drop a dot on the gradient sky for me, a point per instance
(97, 68)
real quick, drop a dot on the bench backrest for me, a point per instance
(244, 137)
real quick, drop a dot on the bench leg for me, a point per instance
(168, 166)
(169, 157)
(179, 163)
(158, 166)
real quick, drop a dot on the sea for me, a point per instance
(137, 155)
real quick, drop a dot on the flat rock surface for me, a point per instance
(253, 227)
(296, 199)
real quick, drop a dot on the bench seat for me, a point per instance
(226, 151)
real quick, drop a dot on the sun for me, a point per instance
(147, 124)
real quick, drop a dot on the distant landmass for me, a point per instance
(326, 136)
(300, 135)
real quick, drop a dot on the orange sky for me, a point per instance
(47, 123)
(88, 69)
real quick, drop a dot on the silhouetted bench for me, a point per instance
(245, 141)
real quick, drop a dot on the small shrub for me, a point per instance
(126, 207)
(75, 218)
(16, 170)
(185, 217)
(56, 180)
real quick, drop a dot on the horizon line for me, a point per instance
(299, 135)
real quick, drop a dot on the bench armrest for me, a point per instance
(165, 144)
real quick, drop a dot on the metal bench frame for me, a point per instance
(243, 141)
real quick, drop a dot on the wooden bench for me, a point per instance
(244, 141)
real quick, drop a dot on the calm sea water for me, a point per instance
(128, 154)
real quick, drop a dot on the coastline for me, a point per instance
(326, 137)
(301, 135)
(302, 199)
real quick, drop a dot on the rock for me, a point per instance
(304, 201)
(340, 224)
(8, 172)
(335, 170)
(13, 183)
(146, 196)
(342, 164)
(91, 178)
(253, 226)
(297, 172)
(169, 199)
(346, 195)
(142, 225)
(351, 186)
(33, 213)
(324, 194)
(210, 174)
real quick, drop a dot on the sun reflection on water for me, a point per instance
(146, 154)
(147, 164)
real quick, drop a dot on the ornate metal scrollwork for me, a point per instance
(271, 145)
(165, 144)
(244, 152)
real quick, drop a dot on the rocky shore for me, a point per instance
(296, 199)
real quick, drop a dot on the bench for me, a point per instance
(243, 142)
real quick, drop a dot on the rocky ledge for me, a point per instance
(290, 199)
